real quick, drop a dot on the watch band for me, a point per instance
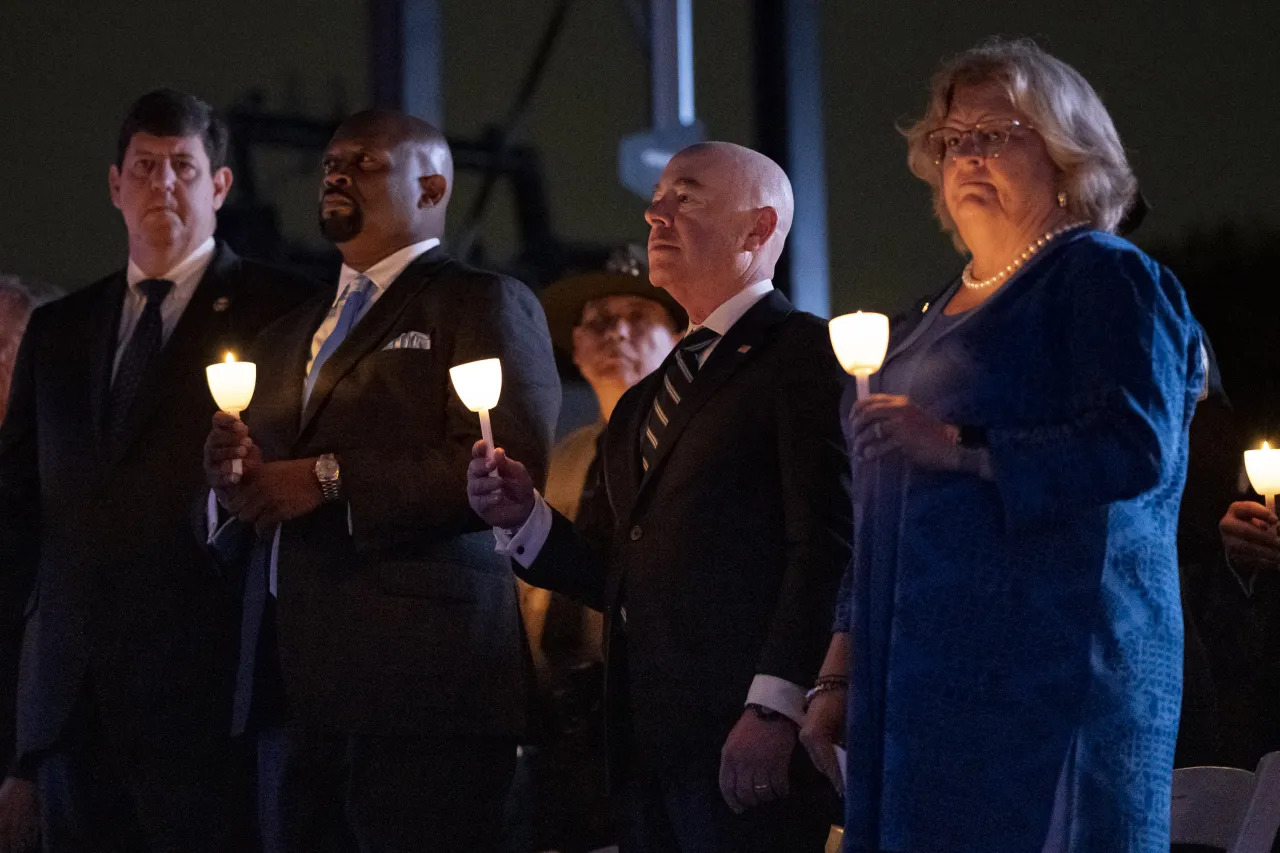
(329, 489)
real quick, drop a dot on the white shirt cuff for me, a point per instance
(778, 694)
(525, 544)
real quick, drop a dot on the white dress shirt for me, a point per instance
(185, 276)
(526, 543)
(381, 275)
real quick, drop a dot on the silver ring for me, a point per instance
(760, 787)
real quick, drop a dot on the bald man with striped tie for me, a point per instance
(725, 475)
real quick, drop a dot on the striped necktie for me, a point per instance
(353, 305)
(676, 382)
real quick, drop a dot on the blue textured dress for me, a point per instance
(1017, 645)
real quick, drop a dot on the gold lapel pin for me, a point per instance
(221, 304)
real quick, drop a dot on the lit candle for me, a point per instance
(860, 341)
(231, 384)
(479, 384)
(1263, 468)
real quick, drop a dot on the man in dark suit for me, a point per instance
(382, 669)
(128, 650)
(725, 481)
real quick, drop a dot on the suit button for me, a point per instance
(636, 533)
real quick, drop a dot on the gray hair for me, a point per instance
(1066, 111)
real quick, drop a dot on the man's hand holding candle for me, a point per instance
(267, 493)
(1249, 536)
(228, 441)
(506, 500)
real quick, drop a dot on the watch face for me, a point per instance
(326, 468)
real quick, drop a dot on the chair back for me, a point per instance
(1233, 810)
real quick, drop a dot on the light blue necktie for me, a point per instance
(352, 308)
(356, 301)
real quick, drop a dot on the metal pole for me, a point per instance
(672, 58)
(642, 156)
(406, 65)
(790, 128)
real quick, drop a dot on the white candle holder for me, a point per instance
(232, 383)
(479, 384)
(860, 341)
(1263, 467)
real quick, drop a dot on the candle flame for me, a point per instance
(1266, 446)
(230, 358)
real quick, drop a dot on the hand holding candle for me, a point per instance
(479, 384)
(860, 341)
(231, 383)
(1263, 467)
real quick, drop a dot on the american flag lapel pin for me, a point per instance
(744, 349)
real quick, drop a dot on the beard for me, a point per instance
(340, 226)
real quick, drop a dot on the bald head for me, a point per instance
(395, 129)
(388, 178)
(717, 223)
(760, 180)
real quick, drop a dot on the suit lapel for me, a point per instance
(102, 356)
(371, 330)
(194, 339)
(734, 350)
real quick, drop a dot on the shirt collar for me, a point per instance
(389, 268)
(185, 275)
(731, 310)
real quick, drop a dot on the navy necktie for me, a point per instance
(676, 382)
(145, 343)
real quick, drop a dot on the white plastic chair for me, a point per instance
(1227, 808)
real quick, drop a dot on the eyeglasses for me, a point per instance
(988, 139)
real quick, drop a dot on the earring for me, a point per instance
(1062, 198)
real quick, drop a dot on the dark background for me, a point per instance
(1191, 86)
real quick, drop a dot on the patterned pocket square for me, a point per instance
(410, 340)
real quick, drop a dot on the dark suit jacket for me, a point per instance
(408, 624)
(119, 592)
(728, 554)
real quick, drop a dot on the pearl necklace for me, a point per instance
(966, 277)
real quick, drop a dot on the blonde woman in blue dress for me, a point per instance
(1007, 654)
